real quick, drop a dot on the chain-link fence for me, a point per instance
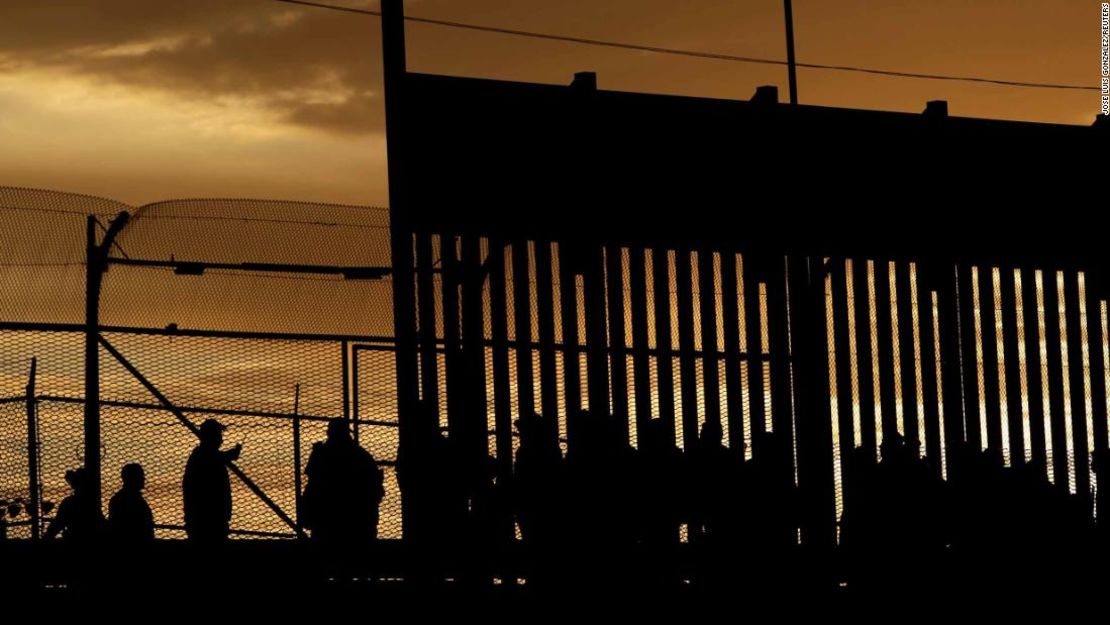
(278, 331)
(260, 314)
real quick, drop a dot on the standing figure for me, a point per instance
(129, 517)
(207, 488)
(344, 489)
(78, 519)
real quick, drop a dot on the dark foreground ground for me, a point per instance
(282, 581)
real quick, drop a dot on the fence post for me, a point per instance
(96, 263)
(297, 453)
(400, 230)
(34, 486)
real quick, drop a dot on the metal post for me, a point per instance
(1073, 306)
(346, 365)
(597, 342)
(401, 242)
(730, 312)
(948, 326)
(754, 347)
(885, 330)
(711, 381)
(1054, 341)
(618, 356)
(778, 333)
(969, 361)
(93, 275)
(572, 361)
(545, 328)
(96, 263)
(429, 357)
(865, 364)
(354, 393)
(34, 485)
(808, 331)
(992, 397)
(297, 451)
(522, 326)
(907, 358)
(661, 287)
(641, 361)
(499, 331)
(687, 366)
(929, 397)
(1012, 366)
(792, 63)
(841, 309)
(1035, 391)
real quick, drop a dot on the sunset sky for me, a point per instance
(142, 101)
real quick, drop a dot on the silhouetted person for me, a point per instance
(660, 486)
(772, 516)
(344, 489)
(78, 519)
(710, 474)
(1100, 464)
(432, 496)
(718, 491)
(538, 494)
(207, 488)
(129, 517)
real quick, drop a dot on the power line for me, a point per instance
(59, 211)
(700, 55)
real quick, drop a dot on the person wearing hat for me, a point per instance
(207, 487)
(78, 519)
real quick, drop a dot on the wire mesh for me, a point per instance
(226, 372)
(234, 344)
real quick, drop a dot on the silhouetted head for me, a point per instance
(78, 479)
(212, 433)
(528, 424)
(655, 436)
(763, 444)
(339, 430)
(711, 433)
(133, 476)
(890, 445)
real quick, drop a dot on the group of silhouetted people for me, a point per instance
(988, 526)
(606, 512)
(339, 505)
(80, 521)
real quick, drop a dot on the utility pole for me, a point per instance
(400, 224)
(792, 63)
(95, 265)
(34, 483)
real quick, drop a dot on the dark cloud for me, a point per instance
(310, 67)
